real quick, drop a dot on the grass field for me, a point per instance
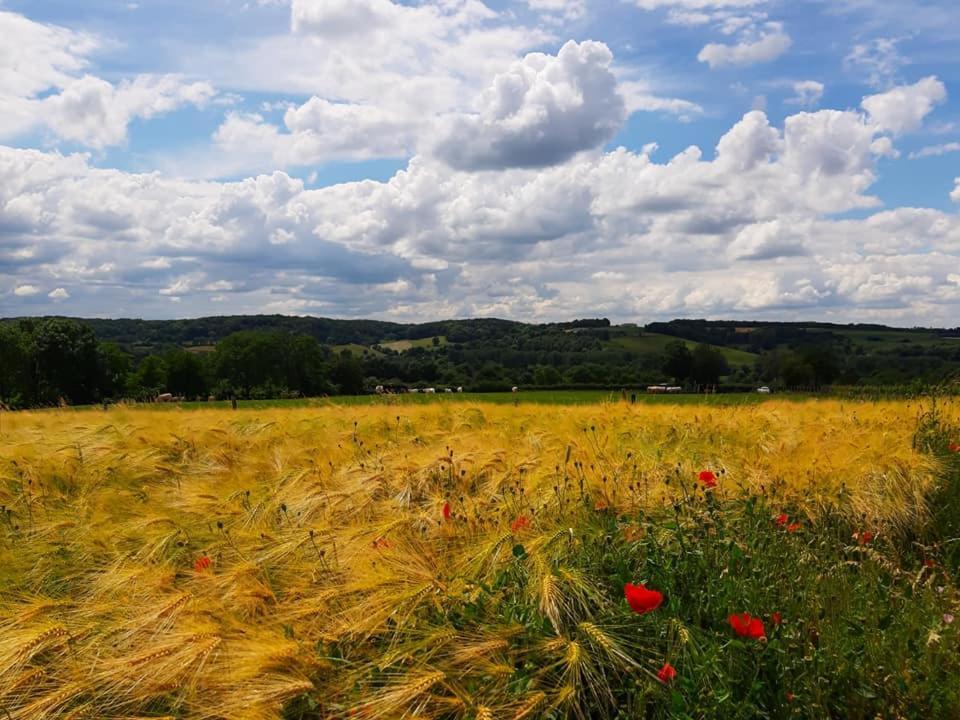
(458, 559)
(536, 397)
(656, 343)
(404, 345)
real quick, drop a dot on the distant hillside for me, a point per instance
(277, 355)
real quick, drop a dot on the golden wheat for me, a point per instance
(327, 542)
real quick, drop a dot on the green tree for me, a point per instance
(150, 379)
(66, 361)
(348, 375)
(678, 361)
(185, 374)
(708, 365)
(14, 365)
(114, 369)
(546, 375)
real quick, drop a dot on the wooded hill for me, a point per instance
(45, 359)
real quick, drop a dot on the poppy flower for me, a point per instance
(864, 538)
(954, 447)
(793, 527)
(782, 519)
(667, 673)
(708, 479)
(790, 697)
(202, 563)
(521, 523)
(747, 626)
(776, 618)
(446, 511)
(640, 599)
(381, 543)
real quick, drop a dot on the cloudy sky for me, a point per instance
(527, 159)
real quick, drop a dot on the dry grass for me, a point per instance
(328, 546)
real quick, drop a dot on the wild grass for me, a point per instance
(459, 560)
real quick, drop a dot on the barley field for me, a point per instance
(470, 560)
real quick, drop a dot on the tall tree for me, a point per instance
(14, 365)
(708, 365)
(678, 360)
(185, 374)
(66, 361)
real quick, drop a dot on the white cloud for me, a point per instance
(569, 9)
(748, 232)
(694, 4)
(44, 83)
(540, 112)
(26, 290)
(763, 46)
(95, 113)
(903, 108)
(418, 62)
(807, 93)
(936, 150)
(879, 60)
(955, 195)
(689, 18)
(317, 132)
(58, 294)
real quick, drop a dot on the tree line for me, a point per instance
(46, 361)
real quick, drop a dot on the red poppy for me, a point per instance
(793, 527)
(776, 618)
(782, 519)
(381, 543)
(747, 626)
(864, 538)
(954, 447)
(446, 511)
(640, 599)
(708, 479)
(667, 673)
(521, 523)
(202, 563)
(790, 697)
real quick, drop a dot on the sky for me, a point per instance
(536, 160)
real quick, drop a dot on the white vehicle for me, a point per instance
(764, 390)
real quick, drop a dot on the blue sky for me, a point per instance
(533, 159)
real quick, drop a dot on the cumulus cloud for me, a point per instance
(955, 195)
(58, 294)
(44, 83)
(767, 44)
(807, 93)
(95, 113)
(903, 108)
(540, 112)
(316, 132)
(26, 290)
(747, 232)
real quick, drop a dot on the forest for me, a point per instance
(56, 360)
